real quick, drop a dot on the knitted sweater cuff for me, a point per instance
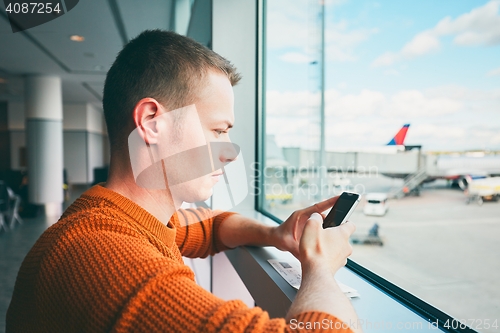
(316, 321)
(218, 220)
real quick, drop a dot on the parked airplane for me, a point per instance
(396, 159)
(457, 167)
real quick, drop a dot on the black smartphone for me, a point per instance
(342, 209)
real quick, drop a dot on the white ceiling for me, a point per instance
(47, 49)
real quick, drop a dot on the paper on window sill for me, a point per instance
(292, 274)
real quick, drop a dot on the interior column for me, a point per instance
(44, 141)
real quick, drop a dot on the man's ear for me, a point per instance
(144, 115)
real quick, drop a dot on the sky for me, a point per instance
(433, 64)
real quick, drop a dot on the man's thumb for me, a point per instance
(316, 217)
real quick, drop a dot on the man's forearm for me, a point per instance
(238, 230)
(320, 292)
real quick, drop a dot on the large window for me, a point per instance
(411, 121)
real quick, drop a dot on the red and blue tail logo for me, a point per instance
(399, 139)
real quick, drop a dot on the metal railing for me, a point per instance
(410, 183)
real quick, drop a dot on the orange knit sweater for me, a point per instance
(109, 266)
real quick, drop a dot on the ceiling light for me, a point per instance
(77, 38)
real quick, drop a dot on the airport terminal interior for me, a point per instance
(396, 101)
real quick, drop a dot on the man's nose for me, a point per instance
(229, 153)
(225, 152)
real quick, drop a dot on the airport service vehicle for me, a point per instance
(376, 204)
(482, 189)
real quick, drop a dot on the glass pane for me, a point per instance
(412, 101)
(292, 108)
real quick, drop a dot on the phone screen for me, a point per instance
(341, 210)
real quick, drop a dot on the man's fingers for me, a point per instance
(311, 228)
(321, 206)
(348, 227)
(316, 217)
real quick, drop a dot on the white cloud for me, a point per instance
(483, 104)
(447, 117)
(407, 103)
(481, 26)
(455, 137)
(351, 106)
(345, 134)
(385, 59)
(424, 42)
(413, 103)
(291, 104)
(286, 24)
(460, 93)
(423, 131)
(494, 72)
(490, 135)
(340, 41)
(290, 26)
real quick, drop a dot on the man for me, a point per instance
(113, 261)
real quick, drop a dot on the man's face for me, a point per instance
(214, 106)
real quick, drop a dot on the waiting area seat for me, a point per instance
(9, 207)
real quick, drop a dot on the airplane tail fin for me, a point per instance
(399, 138)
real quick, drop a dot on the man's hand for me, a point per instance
(325, 247)
(322, 253)
(286, 237)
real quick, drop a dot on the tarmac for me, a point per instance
(436, 247)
